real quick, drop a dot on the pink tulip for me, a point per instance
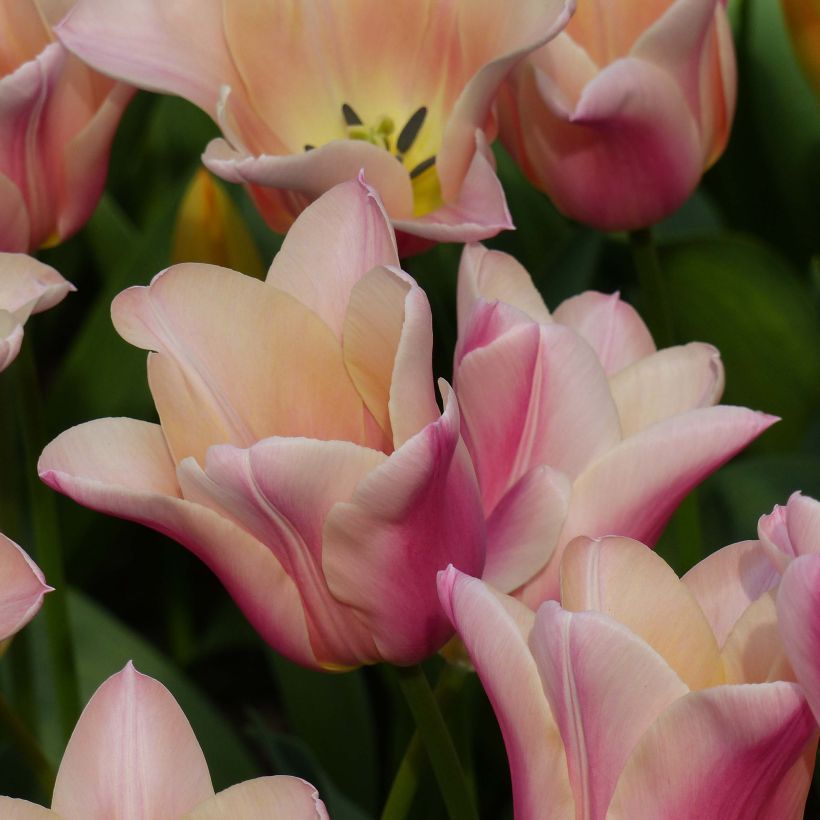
(26, 286)
(57, 119)
(300, 453)
(133, 754)
(617, 118)
(622, 701)
(307, 93)
(22, 588)
(576, 424)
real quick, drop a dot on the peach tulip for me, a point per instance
(133, 754)
(22, 588)
(624, 700)
(26, 286)
(803, 20)
(57, 119)
(576, 424)
(617, 118)
(307, 93)
(300, 452)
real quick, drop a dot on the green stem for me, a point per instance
(433, 737)
(654, 294)
(47, 548)
(28, 747)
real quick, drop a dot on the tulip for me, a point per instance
(803, 20)
(134, 754)
(22, 588)
(57, 119)
(300, 452)
(307, 93)
(623, 702)
(576, 424)
(26, 286)
(617, 118)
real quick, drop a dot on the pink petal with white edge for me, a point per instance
(408, 519)
(720, 752)
(636, 486)
(495, 630)
(281, 491)
(132, 754)
(666, 384)
(523, 529)
(331, 246)
(265, 798)
(588, 665)
(626, 581)
(22, 587)
(28, 286)
(11, 809)
(613, 327)
(798, 611)
(726, 582)
(791, 530)
(494, 276)
(122, 467)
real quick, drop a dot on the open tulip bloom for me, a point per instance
(133, 754)
(300, 452)
(22, 587)
(307, 93)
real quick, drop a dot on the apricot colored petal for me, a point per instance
(177, 48)
(14, 220)
(636, 486)
(265, 798)
(28, 286)
(720, 752)
(408, 519)
(22, 587)
(132, 753)
(726, 582)
(626, 581)
(13, 809)
(666, 384)
(588, 665)
(798, 611)
(203, 321)
(523, 529)
(613, 327)
(281, 491)
(332, 245)
(495, 629)
(122, 467)
(494, 276)
(791, 530)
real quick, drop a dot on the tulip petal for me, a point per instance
(122, 467)
(791, 530)
(12, 809)
(355, 237)
(626, 581)
(14, 221)
(726, 582)
(28, 286)
(495, 629)
(613, 327)
(407, 519)
(798, 611)
(588, 664)
(720, 752)
(524, 526)
(11, 339)
(203, 321)
(281, 491)
(22, 587)
(132, 754)
(265, 798)
(666, 384)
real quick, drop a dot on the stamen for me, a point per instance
(411, 130)
(351, 117)
(422, 167)
(309, 147)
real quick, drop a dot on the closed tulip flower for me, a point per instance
(307, 93)
(22, 588)
(300, 452)
(617, 118)
(639, 695)
(576, 424)
(134, 754)
(57, 119)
